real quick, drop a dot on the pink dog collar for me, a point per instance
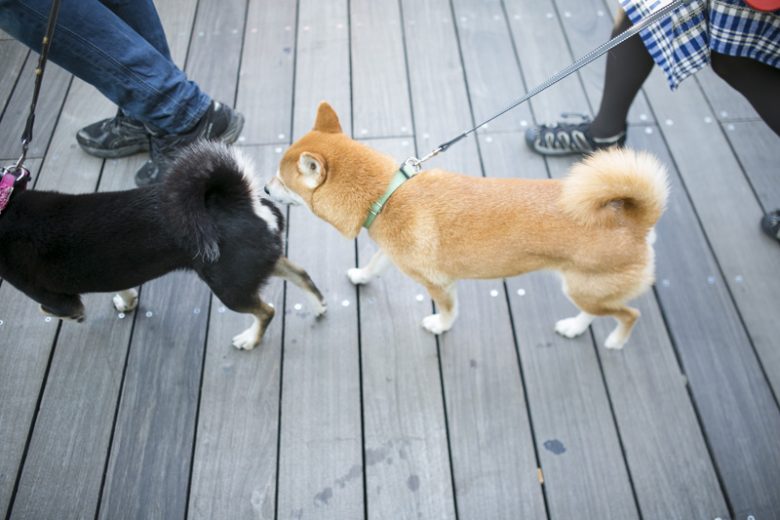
(11, 180)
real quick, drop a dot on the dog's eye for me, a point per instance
(312, 166)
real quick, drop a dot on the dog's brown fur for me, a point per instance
(594, 227)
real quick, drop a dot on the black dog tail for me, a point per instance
(207, 177)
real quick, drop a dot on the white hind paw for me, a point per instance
(615, 340)
(435, 324)
(248, 339)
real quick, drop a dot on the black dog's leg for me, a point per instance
(289, 271)
(239, 300)
(63, 306)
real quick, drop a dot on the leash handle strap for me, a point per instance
(45, 44)
(588, 58)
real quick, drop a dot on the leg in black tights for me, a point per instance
(628, 66)
(759, 83)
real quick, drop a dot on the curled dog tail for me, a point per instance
(615, 187)
(207, 177)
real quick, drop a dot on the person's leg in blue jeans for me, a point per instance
(96, 45)
(129, 62)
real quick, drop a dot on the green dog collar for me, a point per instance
(404, 173)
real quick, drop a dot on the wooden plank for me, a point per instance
(264, 95)
(12, 57)
(737, 411)
(576, 440)
(407, 465)
(757, 148)
(494, 81)
(380, 87)
(234, 466)
(544, 51)
(321, 431)
(494, 464)
(54, 88)
(149, 466)
(235, 459)
(587, 25)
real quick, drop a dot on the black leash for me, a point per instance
(15, 177)
(27, 134)
(592, 55)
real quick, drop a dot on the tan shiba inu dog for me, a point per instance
(595, 227)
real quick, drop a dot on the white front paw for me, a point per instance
(358, 276)
(571, 327)
(247, 340)
(435, 324)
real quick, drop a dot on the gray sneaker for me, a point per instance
(220, 123)
(565, 138)
(117, 136)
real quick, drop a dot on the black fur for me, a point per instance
(54, 246)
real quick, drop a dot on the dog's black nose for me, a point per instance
(265, 189)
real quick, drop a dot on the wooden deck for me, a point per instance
(363, 414)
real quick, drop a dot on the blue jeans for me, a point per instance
(119, 47)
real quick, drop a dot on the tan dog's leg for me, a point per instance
(446, 299)
(601, 296)
(376, 266)
(291, 272)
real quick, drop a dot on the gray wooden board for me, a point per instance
(66, 456)
(711, 172)
(588, 24)
(320, 418)
(576, 439)
(12, 58)
(380, 87)
(407, 467)
(757, 148)
(736, 409)
(494, 464)
(149, 465)
(670, 467)
(544, 51)
(264, 91)
(53, 90)
(407, 460)
(494, 81)
(234, 467)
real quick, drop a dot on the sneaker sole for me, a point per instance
(115, 153)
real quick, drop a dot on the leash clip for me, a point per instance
(416, 163)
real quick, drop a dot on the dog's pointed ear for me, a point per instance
(327, 120)
(312, 168)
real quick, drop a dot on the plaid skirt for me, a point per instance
(681, 43)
